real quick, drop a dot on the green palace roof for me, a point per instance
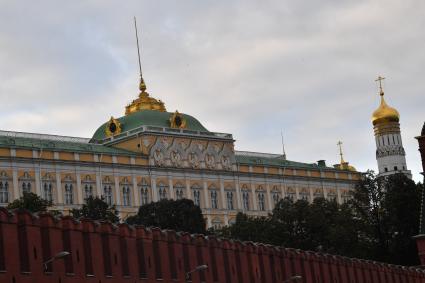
(55, 145)
(255, 159)
(149, 118)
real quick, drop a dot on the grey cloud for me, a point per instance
(246, 67)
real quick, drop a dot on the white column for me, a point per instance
(226, 220)
(154, 190)
(15, 184)
(171, 188)
(188, 192)
(238, 195)
(325, 193)
(338, 192)
(79, 189)
(282, 189)
(311, 194)
(297, 193)
(38, 181)
(223, 196)
(59, 188)
(269, 198)
(98, 184)
(135, 192)
(209, 221)
(117, 191)
(205, 185)
(254, 197)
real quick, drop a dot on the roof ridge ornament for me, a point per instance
(380, 79)
(339, 144)
(142, 84)
(144, 101)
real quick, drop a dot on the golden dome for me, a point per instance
(384, 113)
(144, 101)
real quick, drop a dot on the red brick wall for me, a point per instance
(126, 254)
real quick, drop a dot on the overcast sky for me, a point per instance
(250, 68)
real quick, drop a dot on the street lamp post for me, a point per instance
(293, 278)
(59, 255)
(198, 268)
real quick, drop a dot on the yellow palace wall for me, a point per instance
(222, 194)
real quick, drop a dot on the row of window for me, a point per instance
(47, 194)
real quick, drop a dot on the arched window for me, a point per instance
(346, 196)
(26, 187)
(214, 201)
(229, 196)
(331, 196)
(88, 191)
(216, 223)
(261, 202)
(291, 194)
(276, 197)
(48, 192)
(126, 196)
(162, 191)
(107, 194)
(197, 197)
(245, 200)
(4, 192)
(144, 192)
(318, 194)
(305, 195)
(179, 191)
(69, 196)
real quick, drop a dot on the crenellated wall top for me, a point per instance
(20, 217)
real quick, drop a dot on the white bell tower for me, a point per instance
(390, 153)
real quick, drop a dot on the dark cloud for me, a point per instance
(246, 67)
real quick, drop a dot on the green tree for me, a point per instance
(97, 209)
(179, 215)
(31, 202)
(390, 208)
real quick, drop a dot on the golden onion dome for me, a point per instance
(384, 113)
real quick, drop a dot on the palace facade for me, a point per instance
(150, 154)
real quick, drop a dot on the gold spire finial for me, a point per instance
(142, 85)
(380, 79)
(339, 144)
(144, 101)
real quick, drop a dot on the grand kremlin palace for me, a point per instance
(150, 154)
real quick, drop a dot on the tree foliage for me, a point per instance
(378, 223)
(31, 202)
(97, 209)
(179, 215)
(390, 208)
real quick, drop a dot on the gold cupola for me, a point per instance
(384, 114)
(144, 101)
